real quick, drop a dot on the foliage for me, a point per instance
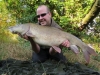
(68, 14)
(6, 20)
(24, 10)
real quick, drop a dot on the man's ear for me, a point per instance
(50, 14)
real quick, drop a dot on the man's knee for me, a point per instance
(59, 57)
(35, 58)
(38, 58)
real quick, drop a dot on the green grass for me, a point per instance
(14, 50)
(21, 50)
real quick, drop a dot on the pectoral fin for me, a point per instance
(29, 34)
(74, 48)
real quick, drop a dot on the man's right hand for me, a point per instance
(23, 36)
(26, 37)
(35, 47)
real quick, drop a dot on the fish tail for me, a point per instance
(89, 51)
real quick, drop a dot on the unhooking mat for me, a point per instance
(18, 67)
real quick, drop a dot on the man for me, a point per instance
(42, 53)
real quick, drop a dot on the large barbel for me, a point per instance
(51, 36)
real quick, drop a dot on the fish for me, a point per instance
(53, 37)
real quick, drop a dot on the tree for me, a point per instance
(68, 13)
(93, 12)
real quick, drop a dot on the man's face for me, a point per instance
(43, 16)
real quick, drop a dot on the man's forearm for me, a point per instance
(35, 47)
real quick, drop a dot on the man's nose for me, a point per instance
(40, 17)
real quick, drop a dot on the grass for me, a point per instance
(94, 62)
(14, 50)
(22, 51)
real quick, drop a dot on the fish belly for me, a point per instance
(49, 41)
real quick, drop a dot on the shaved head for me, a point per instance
(44, 6)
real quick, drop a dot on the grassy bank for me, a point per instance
(21, 50)
(14, 50)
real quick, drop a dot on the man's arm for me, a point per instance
(35, 47)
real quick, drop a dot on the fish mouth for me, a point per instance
(12, 30)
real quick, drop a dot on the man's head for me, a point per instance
(43, 15)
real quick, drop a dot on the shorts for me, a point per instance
(44, 55)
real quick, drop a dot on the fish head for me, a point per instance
(16, 29)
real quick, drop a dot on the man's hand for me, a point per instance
(66, 43)
(24, 36)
